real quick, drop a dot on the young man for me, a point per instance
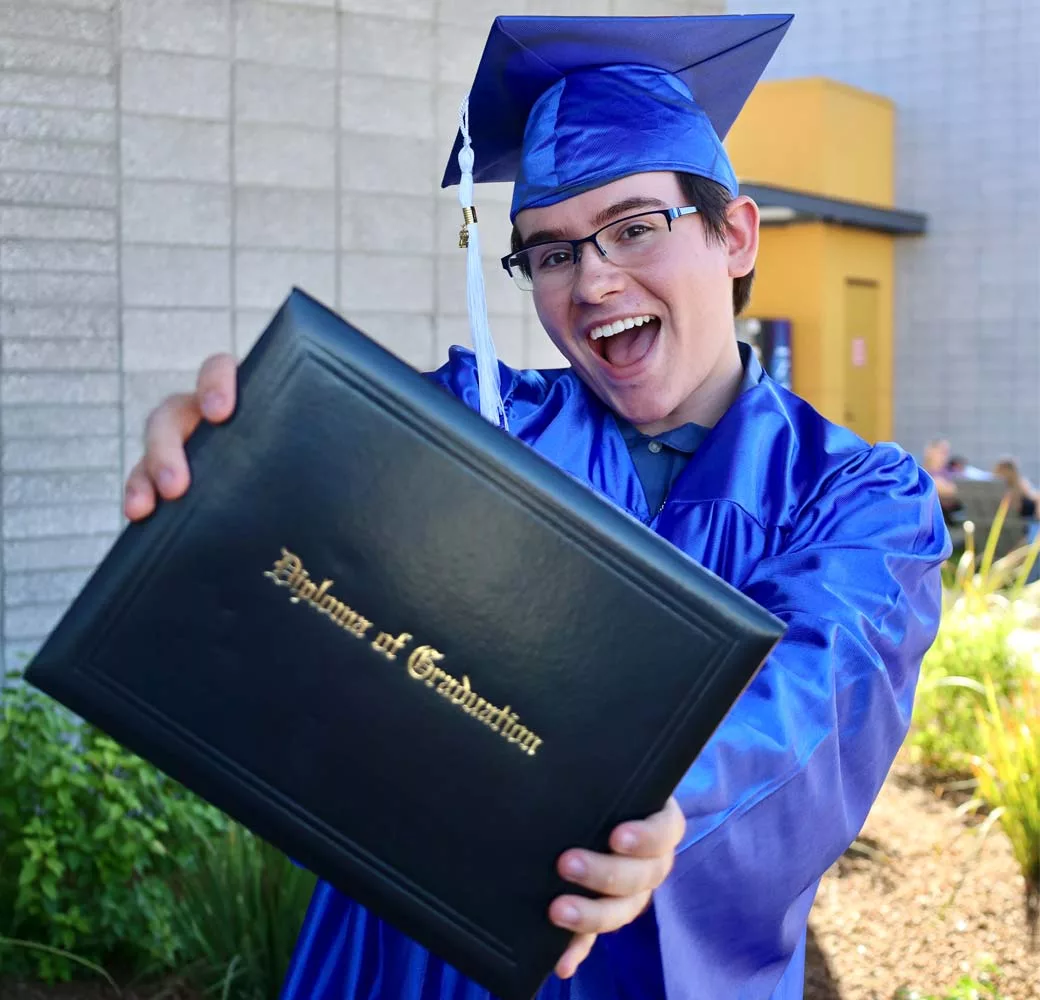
(633, 239)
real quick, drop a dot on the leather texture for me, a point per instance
(542, 605)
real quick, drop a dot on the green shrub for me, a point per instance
(90, 839)
(977, 711)
(988, 609)
(971, 645)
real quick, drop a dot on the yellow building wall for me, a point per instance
(857, 255)
(821, 137)
(818, 136)
(801, 276)
(788, 285)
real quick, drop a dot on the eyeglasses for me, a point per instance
(632, 241)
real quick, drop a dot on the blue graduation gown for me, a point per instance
(840, 539)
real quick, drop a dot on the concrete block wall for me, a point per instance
(168, 169)
(965, 80)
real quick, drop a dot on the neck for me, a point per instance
(710, 400)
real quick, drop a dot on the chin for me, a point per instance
(641, 412)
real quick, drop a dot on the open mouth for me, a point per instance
(627, 341)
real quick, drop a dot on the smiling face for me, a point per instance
(655, 341)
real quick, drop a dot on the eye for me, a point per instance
(636, 231)
(551, 259)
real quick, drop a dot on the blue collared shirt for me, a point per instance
(660, 459)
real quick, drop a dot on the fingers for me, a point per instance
(597, 916)
(657, 834)
(610, 875)
(163, 471)
(215, 387)
(623, 881)
(139, 500)
(167, 428)
(625, 886)
(576, 953)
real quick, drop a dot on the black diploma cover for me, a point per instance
(404, 648)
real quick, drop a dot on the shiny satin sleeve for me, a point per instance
(787, 781)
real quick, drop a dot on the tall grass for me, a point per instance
(239, 913)
(1008, 775)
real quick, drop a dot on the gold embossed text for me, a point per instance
(424, 663)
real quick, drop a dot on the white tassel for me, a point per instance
(491, 407)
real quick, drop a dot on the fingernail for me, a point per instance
(212, 403)
(167, 479)
(627, 841)
(575, 867)
(569, 914)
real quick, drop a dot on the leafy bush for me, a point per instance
(106, 863)
(970, 646)
(988, 630)
(90, 839)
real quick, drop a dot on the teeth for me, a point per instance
(609, 329)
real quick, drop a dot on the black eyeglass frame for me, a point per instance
(670, 214)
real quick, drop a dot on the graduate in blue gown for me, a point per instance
(638, 249)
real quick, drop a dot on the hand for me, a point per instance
(164, 468)
(626, 880)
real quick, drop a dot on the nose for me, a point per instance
(595, 277)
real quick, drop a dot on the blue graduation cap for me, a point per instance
(561, 105)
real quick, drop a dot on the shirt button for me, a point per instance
(654, 446)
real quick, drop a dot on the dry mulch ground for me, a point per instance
(926, 901)
(923, 901)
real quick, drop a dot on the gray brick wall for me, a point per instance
(965, 81)
(60, 351)
(146, 149)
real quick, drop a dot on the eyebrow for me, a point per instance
(615, 211)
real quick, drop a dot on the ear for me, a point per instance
(742, 238)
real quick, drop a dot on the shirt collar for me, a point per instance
(687, 437)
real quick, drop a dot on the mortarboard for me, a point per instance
(560, 105)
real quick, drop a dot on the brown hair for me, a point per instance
(711, 199)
